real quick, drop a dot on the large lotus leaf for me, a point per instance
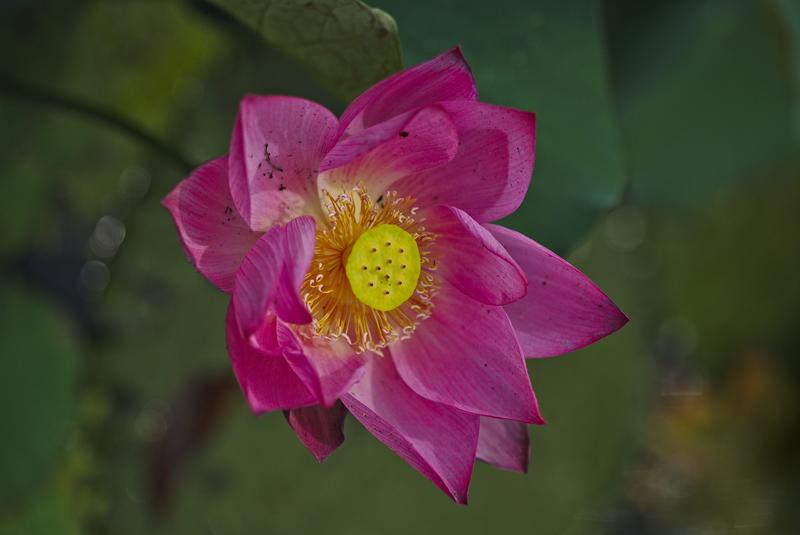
(37, 391)
(705, 98)
(548, 57)
(346, 43)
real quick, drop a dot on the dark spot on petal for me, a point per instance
(403, 134)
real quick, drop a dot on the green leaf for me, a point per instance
(346, 43)
(705, 100)
(37, 391)
(547, 57)
(788, 11)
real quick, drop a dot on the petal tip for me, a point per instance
(534, 418)
(526, 463)
(321, 457)
(616, 318)
(457, 53)
(255, 407)
(169, 201)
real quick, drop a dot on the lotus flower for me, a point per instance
(366, 277)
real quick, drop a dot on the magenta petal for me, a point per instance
(267, 381)
(318, 428)
(350, 148)
(299, 239)
(272, 272)
(265, 338)
(213, 234)
(504, 444)
(467, 356)
(472, 260)
(445, 77)
(380, 155)
(491, 172)
(436, 440)
(275, 151)
(257, 278)
(327, 368)
(563, 310)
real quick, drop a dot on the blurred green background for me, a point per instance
(667, 169)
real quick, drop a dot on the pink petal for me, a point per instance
(272, 273)
(467, 356)
(327, 368)
(318, 428)
(504, 444)
(214, 235)
(445, 77)
(472, 260)
(265, 337)
(563, 310)
(436, 440)
(348, 149)
(275, 151)
(267, 381)
(379, 155)
(490, 174)
(300, 238)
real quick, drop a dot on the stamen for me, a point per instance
(335, 309)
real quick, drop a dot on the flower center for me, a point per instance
(372, 277)
(383, 267)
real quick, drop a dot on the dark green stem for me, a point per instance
(36, 95)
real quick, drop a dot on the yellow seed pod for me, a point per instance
(383, 267)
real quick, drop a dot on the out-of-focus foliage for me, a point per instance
(44, 516)
(705, 97)
(37, 391)
(551, 58)
(346, 43)
(788, 14)
(25, 178)
(120, 413)
(738, 272)
(704, 468)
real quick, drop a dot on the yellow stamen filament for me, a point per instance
(336, 311)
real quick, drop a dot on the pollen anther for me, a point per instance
(358, 240)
